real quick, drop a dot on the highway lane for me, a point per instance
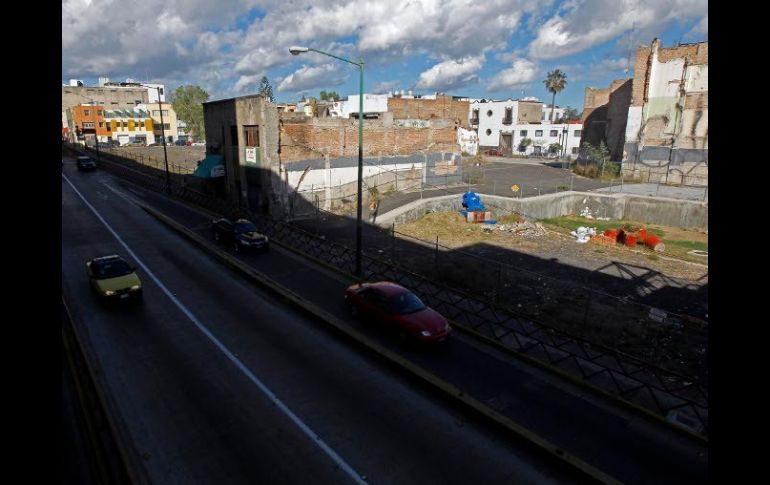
(616, 441)
(192, 416)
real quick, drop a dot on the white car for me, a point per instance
(199, 144)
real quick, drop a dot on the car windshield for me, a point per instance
(406, 303)
(113, 269)
(242, 227)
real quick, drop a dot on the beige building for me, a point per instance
(170, 123)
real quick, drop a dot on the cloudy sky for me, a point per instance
(477, 48)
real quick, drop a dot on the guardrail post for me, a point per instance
(435, 260)
(392, 241)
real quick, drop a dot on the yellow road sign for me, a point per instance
(515, 188)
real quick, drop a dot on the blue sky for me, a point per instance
(482, 49)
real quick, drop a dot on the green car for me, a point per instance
(112, 278)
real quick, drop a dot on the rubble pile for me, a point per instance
(524, 229)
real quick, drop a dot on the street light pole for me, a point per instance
(295, 50)
(163, 136)
(96, 132)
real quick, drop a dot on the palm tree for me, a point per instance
(555, 82)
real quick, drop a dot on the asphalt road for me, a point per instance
(617, 442)
(215, 382)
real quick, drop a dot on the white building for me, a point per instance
(543, 136)
(503, 125)
(373, 103)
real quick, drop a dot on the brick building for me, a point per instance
(605, 112)
(270, 155)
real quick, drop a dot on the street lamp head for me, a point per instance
(297, 50)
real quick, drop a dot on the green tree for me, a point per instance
(266, 89)
(188, 104)
(329, 96)
(599, 154)
(555, 82)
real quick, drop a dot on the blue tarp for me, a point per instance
(204, 170)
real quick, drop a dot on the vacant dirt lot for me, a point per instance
(180, 159)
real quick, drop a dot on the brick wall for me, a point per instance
(316, 138)
(594, 98)
(695, 53)
(443, 107)
(640, 76)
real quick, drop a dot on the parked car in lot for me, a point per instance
(242, 234)
(396, 307)
(85, 162)
(199, 143)
(112, 278)
(108, 144)
(180, 143)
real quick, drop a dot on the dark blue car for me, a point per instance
(241, 233)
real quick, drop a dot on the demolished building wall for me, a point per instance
(667, 129)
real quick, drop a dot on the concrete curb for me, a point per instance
(130, 460)
(338, 325)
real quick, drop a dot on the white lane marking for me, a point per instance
(262, 387)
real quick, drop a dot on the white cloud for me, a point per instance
(451, 74)
(579, 26)
(310, 77)
(384, 87)
(520, 74)
(250, 82)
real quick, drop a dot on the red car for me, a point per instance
(396, 307)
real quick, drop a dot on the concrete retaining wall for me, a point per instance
(651, 210)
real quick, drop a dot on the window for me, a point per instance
(475, 116)
(98, 112)
(251, 135)
(86, 112)
(574, 150)
(577, 133)
(489, 113)
(109, 128)
(523, 133)
(538, 132)
(101, 124)
(508, 119)
(489, 132)
(125, 124)
(554, 133)
(158, 113)
(161, 91)
(113, 102)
